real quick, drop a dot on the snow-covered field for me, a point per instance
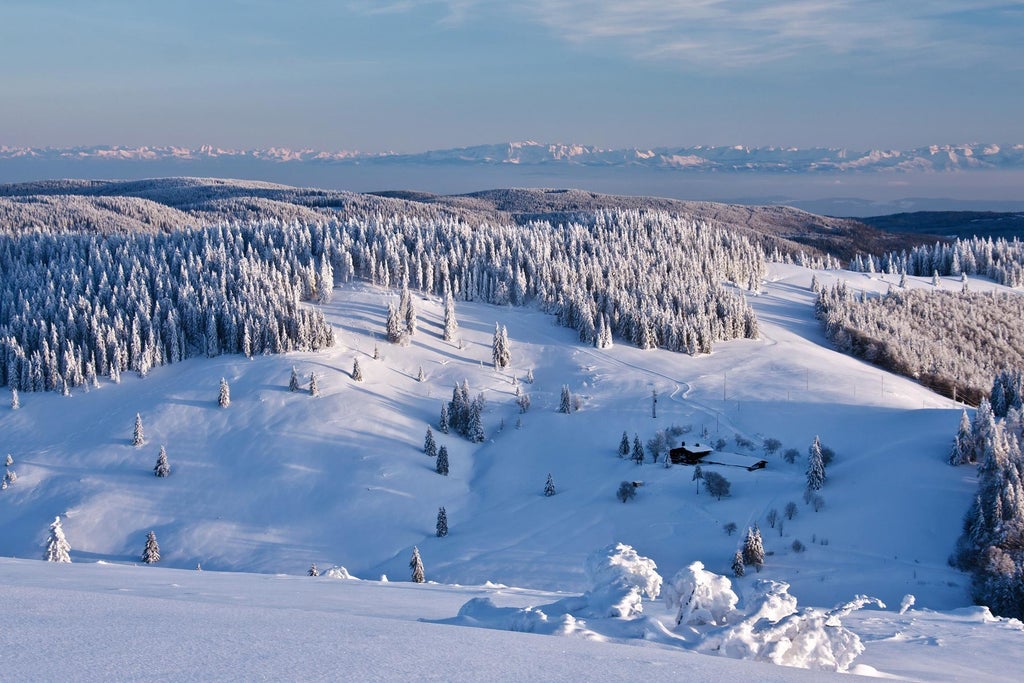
(280, 480)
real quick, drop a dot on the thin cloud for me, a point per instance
(730, 34)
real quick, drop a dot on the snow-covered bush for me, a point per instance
(700, 597)
(772, 629)
(621, 579)
(338, 573)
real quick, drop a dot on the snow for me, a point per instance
(279, 480)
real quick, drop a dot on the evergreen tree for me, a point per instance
(293, 382)
(442, 522)
(416, 565)
(442, 423)
(441, 466)
(549, 486)
(451, 325)
(314, 386)
(698, 476)
(162, 468)
(565, 405)
(9, 461)
(408, 311)
(626, 491)
(57, 547)
(395, 326)
(476, 425)
(624, 445)
(529, 376)
(753, 549)
(500, 353)
(738, 568)
(357, 372)
(963, 445)
(313, 571)
(15, 401)
(815, 467)
(984, 428)
(138, 437)
(421, 376)
(429, 445)
(638, 450)
(224, 399)
(151, 553)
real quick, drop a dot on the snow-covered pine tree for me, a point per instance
(9, 460)
(441, 466)
(451, 325)
(408, 312)
(224, 397)
(416, 565)
(429, 445)
(442, 423)
(624, 445)
(963, 445)
(421, 376)
(442, 523)
(529, 376)
(313, 571)
(314, 385)
(138, 437)
(394, 329)
(476, 423)
(57, 546)
(984, 429)
(151, 553)
(357, 372)
(549, 486)
(753, 549)
(162, 468)
(15, 401)
(565, 404)
(738, 568)
(293, 382)
(698, 476)
(501, 355)
(638, 450)
(815, 467)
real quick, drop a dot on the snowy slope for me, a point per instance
(279, 480)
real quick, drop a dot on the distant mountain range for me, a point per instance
(699, 159)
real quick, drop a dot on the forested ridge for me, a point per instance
(950, 341)
(77, 305)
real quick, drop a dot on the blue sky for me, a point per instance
(411, 75)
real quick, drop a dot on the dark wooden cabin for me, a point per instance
(689, 454)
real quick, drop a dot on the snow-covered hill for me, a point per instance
(279, 480)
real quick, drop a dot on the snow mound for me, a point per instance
(774, 630)
(620, 579)
(700, 597)
(339, 573)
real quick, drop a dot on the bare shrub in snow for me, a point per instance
(626, 491)
(717, 485)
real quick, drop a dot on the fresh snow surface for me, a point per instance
(279, 480)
